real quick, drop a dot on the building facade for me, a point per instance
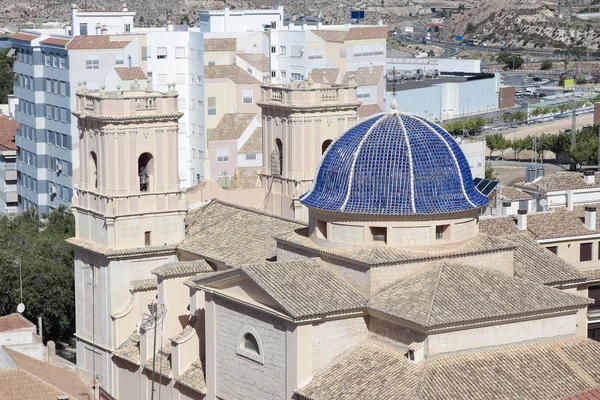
(8, 165)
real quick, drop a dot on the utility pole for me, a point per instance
(598, 147)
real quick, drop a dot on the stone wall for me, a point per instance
(342, 233)
(411, 236)
(239, 377)
(393, 333)
(333, 338)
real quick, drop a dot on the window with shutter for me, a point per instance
(585, 252)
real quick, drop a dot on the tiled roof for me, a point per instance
(97, 42)
(535, 263)
(142, 285)
(232, 72)
(37, 380)
(130, 74)
(55, 41)
(325, 75)
(193, 378)
(534, 371)
(231, 126)
(305, 288)
(367, 32)
(212, 229)
(23, 36)
(555, 224)
(182, 268)
(592, 394)
(254, 143)
(187, 332)
(366, 110)
(455, 294)
(385, 165)
(129, 350)
(592, 275)
(560, 181)
(330, 35)
(258, 61)
(13, 322)
(114, 253)
(514, 194)
(365, 76)
(245, 178)
(227, 44)
(372, 255)
(163, 361)
(8, 130)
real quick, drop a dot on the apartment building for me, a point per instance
(228, 20)
(8, 168)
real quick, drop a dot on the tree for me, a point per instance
(561, 142)
(519, 116)
(512, 60)
(586, 147)
(470, 28)
(546, 64)
(521, 144)
(497, 141)
(489, 172)
(46, 262)
(7, 76)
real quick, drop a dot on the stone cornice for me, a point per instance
(128, 118)
(300, 108)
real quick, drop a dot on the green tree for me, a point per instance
(561, 142)
(586, 147)
(512, 60)
(546, 64)
(7, 76)
(521, 144)
(470, 28)
(489, 172)
(497, 142)
(46, 261)
(519, 116)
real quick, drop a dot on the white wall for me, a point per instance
(475, 153)
(228, 20)
(114, 21)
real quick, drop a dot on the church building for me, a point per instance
(390, 291)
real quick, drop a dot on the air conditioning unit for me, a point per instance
(59, 168)
(53, 190)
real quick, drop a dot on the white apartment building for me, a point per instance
(175, 54)
(227, 20)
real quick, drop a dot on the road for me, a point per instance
(550, 127)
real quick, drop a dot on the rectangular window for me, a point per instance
(357, 51)
(55, 88)
(315, 54)
(342, 53)
(297, 77)
(283, 73)
(212, 106)
(211, 63)
(378, 49)
(62, 62)
(553, 249)
(192, 80)
(441, 231)
(222, 155)
(119, 59)
(48, 60)
(48, 111)
(379, 234)
(273, 49)
(56, 113)
(273, 74)
(363, 92)
(297, 51)
(64, 143)
(247, 96)
(147, 240)
(367, 50)
(56, 61)
(180, 79)
(127, 27)
(63, 88)
(91, 62)
(321, 229)
(282, 50)
(251, 156)
(585, 252)
(199, 80)
(179, 52)
(63, 115)
(593, 331)
(48, 85)
(594, 293)
(161, 53)
(146, 52)
(249, 70)
(83, 29)
(192, 53)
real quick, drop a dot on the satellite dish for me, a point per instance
(543, 202)
(21, 308)
(458, 139)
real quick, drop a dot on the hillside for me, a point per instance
(522, 23)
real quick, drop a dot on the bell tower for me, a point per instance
(128, 208)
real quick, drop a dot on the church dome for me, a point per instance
(394, 164)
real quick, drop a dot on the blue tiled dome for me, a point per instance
(394, 164)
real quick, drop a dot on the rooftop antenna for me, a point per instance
(151, 317)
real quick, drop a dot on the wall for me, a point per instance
(228, 20)
(25, 341)
(506, 97)
(238, 376)
(499, 335)
(393, 333)
(333, 338)
(475, 153)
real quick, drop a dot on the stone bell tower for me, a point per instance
(128, 209)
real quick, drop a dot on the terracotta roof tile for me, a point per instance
(98, 42)
(560, 181)
(194, 378)
(254, 143)
(325, 75)
(454, 294)
(592, 394)
(514, 194)
(8, 130)
(130, 349)
(258, 61)
(130, 74)
(232, 72)
(517, 372)
(227, 44)
(367, 32)
(23, 36)
(56, 41)
(142, 285)
(365, 76)
(231, 126)
(39, 380)
(366, 110)
(182, 268)
(330, 35)
(163, 361)
(13, 322)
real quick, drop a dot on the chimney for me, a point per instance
(319, 25)
(51, 352)
(380, 23)
(570, 200)
(169, 26)
(589, 177)
(98, 29)
(104, 30)
(590, 218)
(506, 207)
(416, 352)
(522, 219)
(124, 8)
(40, 330)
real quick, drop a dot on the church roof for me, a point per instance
(537, 371)
(182, 268)
(142, 285)
(163, 361)
(233, 235)
(130, 349)
(306, 288)
(454, 294)
(394, 164)
(194, 378)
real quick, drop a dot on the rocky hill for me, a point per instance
(522, 23)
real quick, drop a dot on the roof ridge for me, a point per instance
(435, 290)
(256, 211)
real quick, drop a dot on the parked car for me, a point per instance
(542, 94)
(537, 79)
(568, 131)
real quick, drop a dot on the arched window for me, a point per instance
(325, 146)
(277, 158)
(93, 168)
(146, 171)
(251, 344)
